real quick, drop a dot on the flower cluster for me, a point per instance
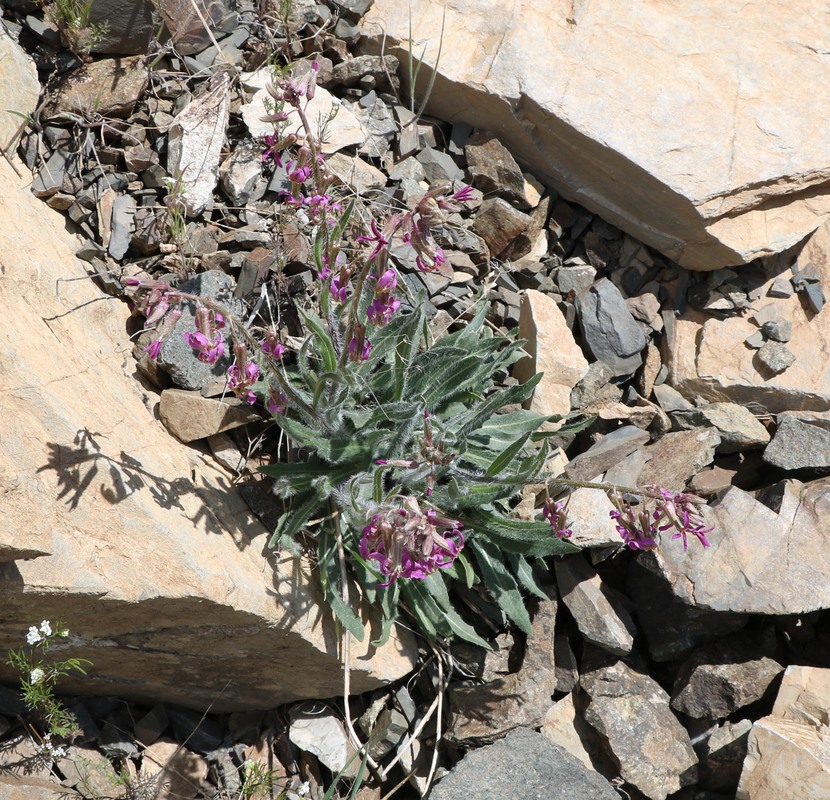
(206, 339)
(556, 513)
(678, 511)
(36, 635)
(243, 374)
(407, 542)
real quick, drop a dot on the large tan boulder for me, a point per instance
(19, 89)
(154, 563)
(707, 356)
(695, 127)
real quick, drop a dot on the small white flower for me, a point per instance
(33, 636)
(303, 789)
(36, 675)
(46, 627)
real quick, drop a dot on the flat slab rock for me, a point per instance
(631, 711)
(760, 561)
(706, 357)
(694, 128)
(151, 552)
(523, 764)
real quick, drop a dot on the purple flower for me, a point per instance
(408, 543)
(464, 194)
(272, 144)
(380, 311)
(556, 513)
(377, 237)
(637, 528)
(682, 510)
(339, 288)
(206, 338)
(273, 347)
(359, 346)
(276, 402)
(154, 348)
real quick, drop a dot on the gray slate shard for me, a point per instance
(123, 225)
(800, 444)
(176, 355)
(610, 331)
(522, 765)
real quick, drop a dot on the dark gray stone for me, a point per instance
(129, 27)
(522, 765)
(439, 167)
(780, 330)
(609, 330)
(781, 287)
(606, 452)
(815, 296)
(123, 225)
(176, 355)
(51, 176)
(799, 444)
(775, 358)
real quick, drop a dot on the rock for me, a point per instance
(498, 223)
(379, 68)
(673, 627)
(176, 356)
(19, 90)
(785, 761)
(240, 172)
(439, 166)
(28, 787)
(523, 764)
(681, 190)
(565, 727)
(343, 131)
(110, 87)
(775, 358)
(178, 773)
(88, 772)
(482, 714)
(575, 278)
(533, 239)
(122, 225)
(154, 553)
(632, 713)
(129, 27)
(321, 733)
(359, 175)
(494, 170)
(605, 453)
(189, 416)
(600, 612)
(151, 726)
(551, 350)
(187, 24)
(610, 332)
(780, 330)
(738, 427)
(744, 571)
(52, 175)
(800, 442)
(705, 361)
(675, 457)
(589, 520)
(195, 142)
(723, 755)
(789, 752)
(722, 677)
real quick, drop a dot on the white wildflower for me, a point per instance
(46, 627)
(36, 675)
(303, 789)
(33, 636)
